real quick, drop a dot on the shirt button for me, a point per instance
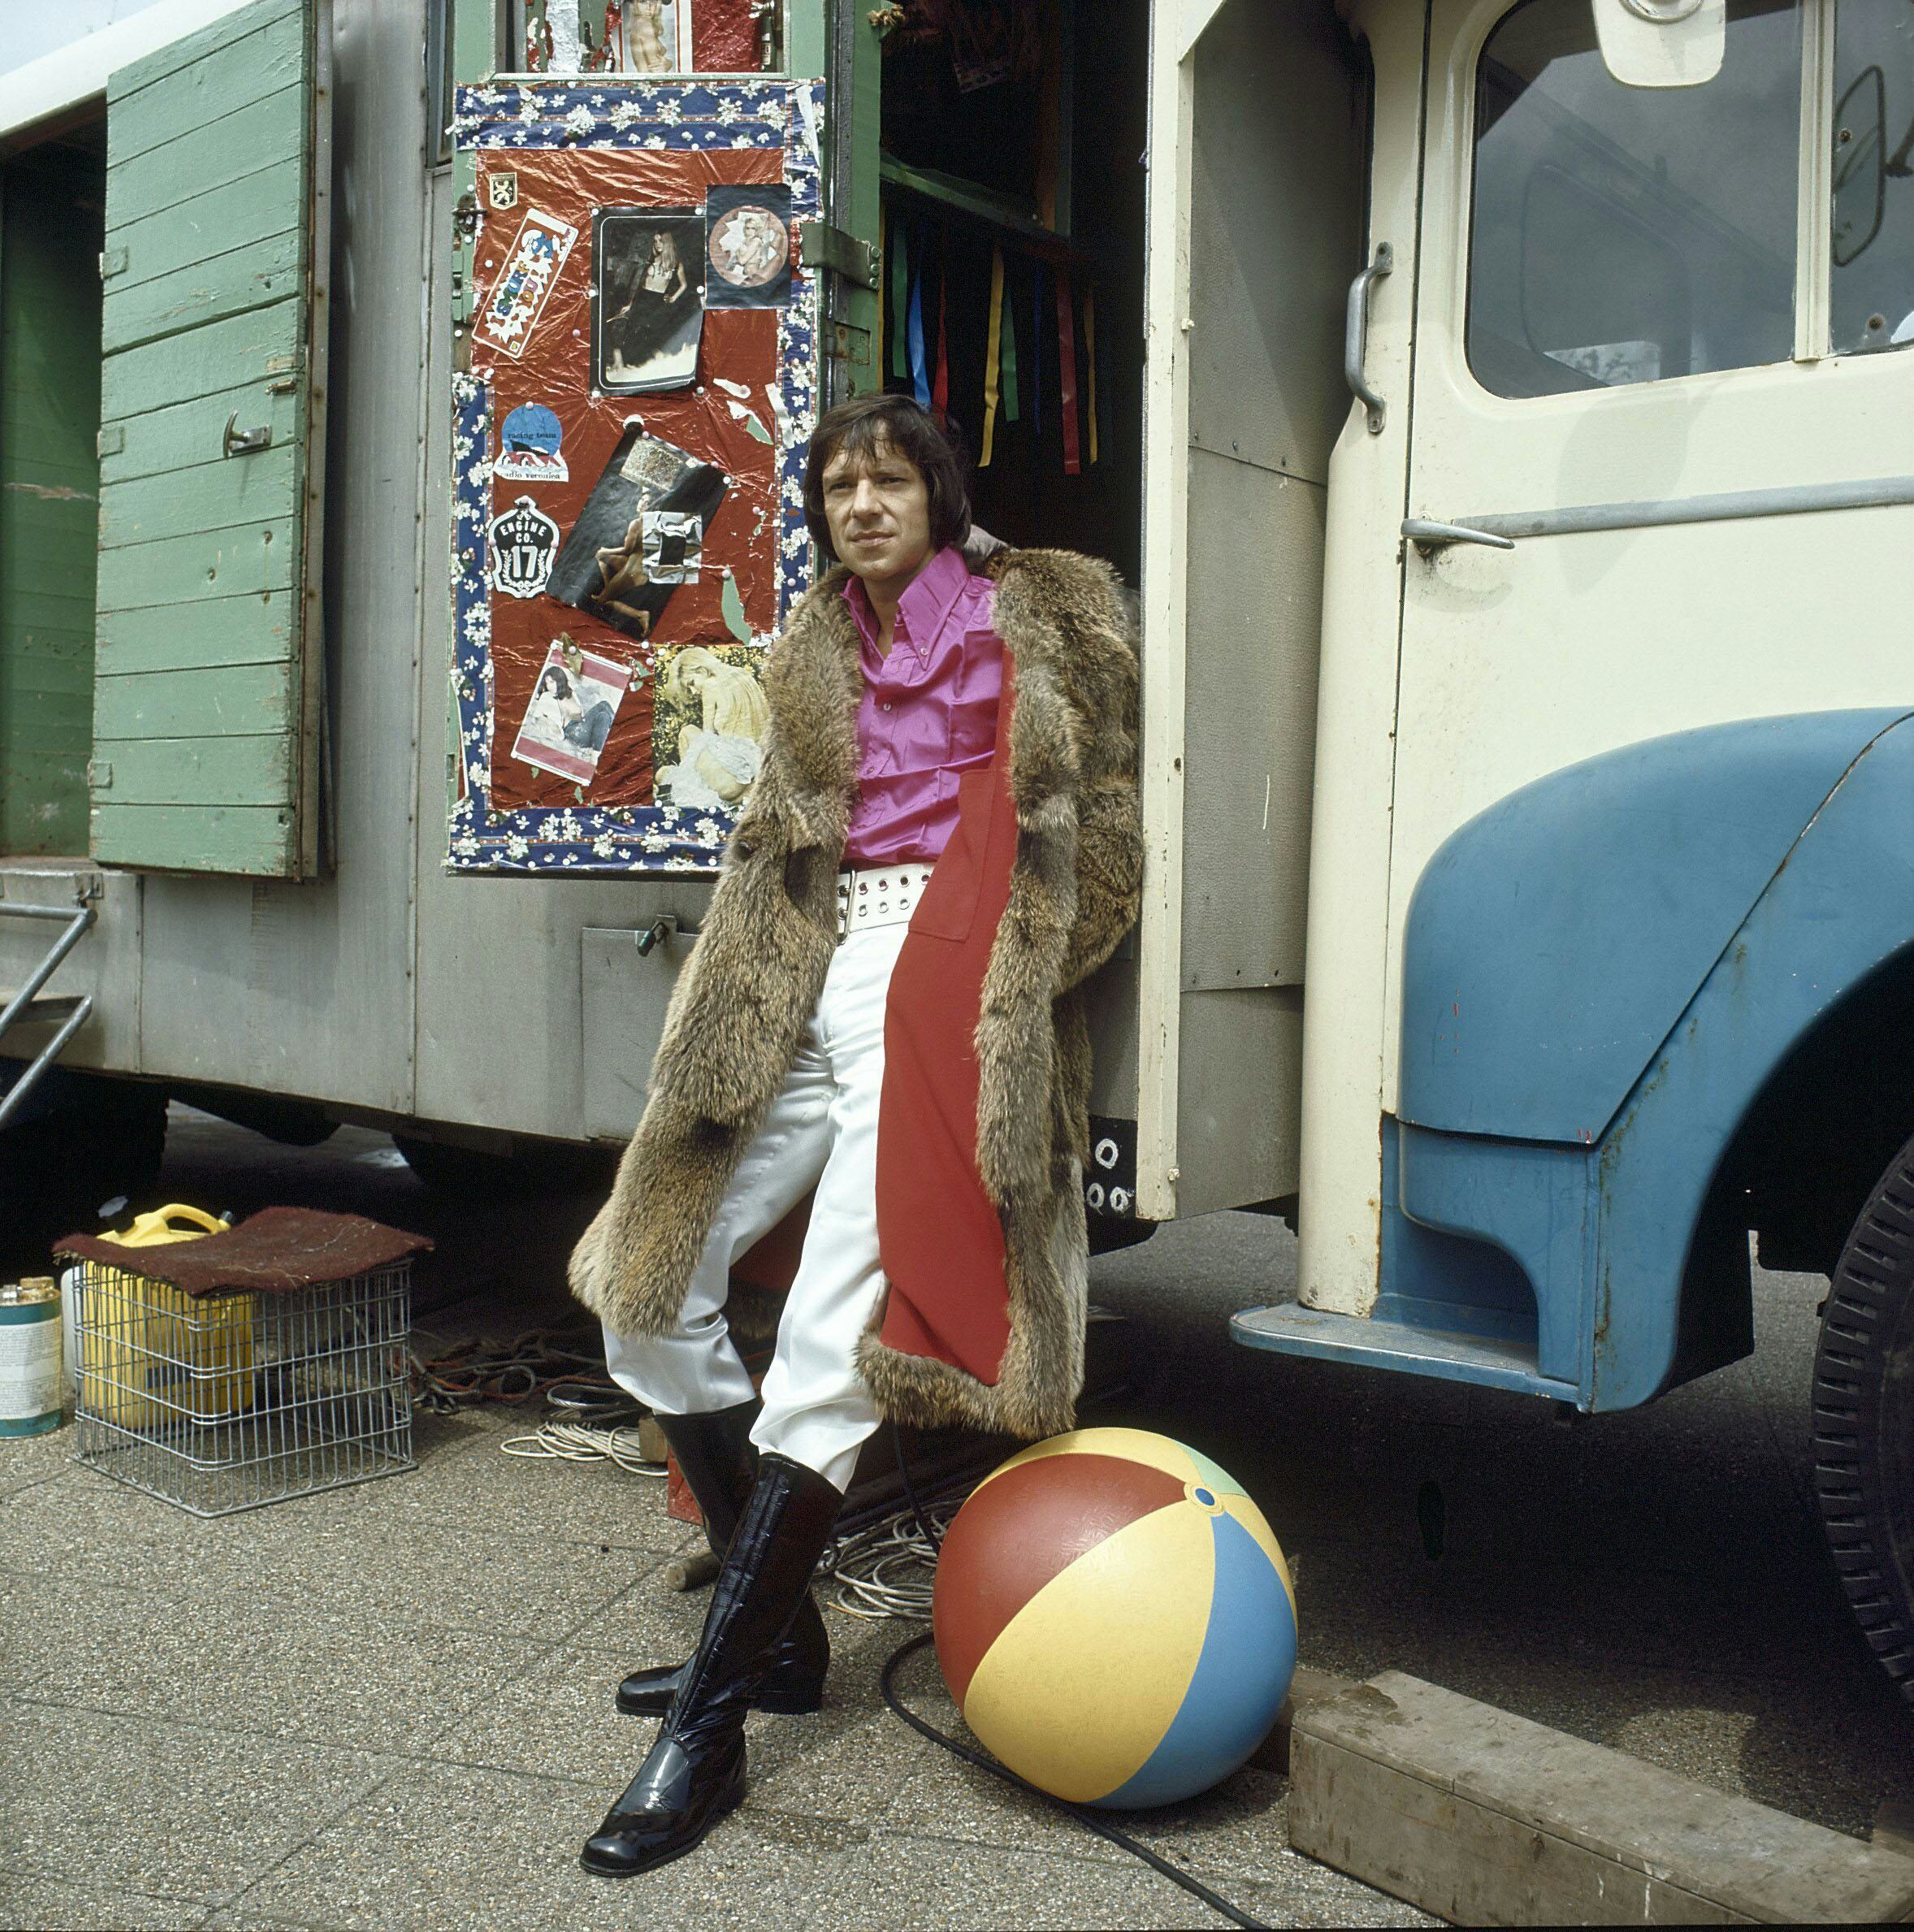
(887, 707)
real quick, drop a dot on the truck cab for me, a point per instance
(1611, 913)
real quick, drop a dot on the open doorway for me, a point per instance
(1012, 183)
(52, 227)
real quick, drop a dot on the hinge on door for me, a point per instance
(111, 440)
(823, 246)
(112, 262)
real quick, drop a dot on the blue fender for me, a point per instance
(1602, 1220)
(1553, 941)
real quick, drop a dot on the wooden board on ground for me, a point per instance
(1485, 1818)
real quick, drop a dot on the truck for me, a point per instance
(1503, 408)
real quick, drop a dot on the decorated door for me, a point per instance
(630, 439)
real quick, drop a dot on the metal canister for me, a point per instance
(29, 1356)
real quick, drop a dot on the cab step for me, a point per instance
(1290, 1329)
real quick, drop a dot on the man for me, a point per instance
(881, 1013)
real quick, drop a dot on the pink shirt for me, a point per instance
(929, 711)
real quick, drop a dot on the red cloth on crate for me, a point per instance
(278, 1251)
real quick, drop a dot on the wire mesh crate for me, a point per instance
(219, 1402)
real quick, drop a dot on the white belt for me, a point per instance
(879, 895)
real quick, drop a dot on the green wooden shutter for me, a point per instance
(208, 659)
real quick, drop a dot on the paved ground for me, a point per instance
(390, 1705)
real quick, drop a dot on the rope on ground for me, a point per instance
(887, 1571)
(585, 1442)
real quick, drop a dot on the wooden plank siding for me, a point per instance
(206, 157)
(199, 81)
(229, 630)
(207, 659)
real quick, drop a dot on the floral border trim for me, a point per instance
(615, 839)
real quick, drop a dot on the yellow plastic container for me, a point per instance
(153, 1356)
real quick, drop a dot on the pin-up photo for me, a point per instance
(647, 298)
(573, 707)
(748, 246)
(604, 567)
(709, 726)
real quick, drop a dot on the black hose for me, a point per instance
(1083, 1813)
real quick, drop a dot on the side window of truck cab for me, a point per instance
(1626, 230)
(1873, 197)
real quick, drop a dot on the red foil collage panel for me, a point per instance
(629, 449)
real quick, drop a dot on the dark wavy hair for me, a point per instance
(865, 424)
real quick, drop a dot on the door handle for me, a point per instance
(1355, 341)
(1429, 538)
(243, 442)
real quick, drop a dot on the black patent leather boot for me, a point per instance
(694, 1774)
(714, 1452)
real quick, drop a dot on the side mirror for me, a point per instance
(1661, 43)
(1860, 171)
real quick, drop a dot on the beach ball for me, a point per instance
(1114, 1619)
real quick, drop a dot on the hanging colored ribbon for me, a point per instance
(920, 375)
(940, 391)
(1067, 373)
(993, 353)
(900, 301)
(1089, 349)
(1009, 362)
(1037, 349)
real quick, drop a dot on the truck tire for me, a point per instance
(1864, 1420)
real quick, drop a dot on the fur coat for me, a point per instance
(1071, 841)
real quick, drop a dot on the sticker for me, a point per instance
(517, 299)
(647, 298)
(530, 440)
(501, 190)
(674, 545)
(573, 707)
(747, 248)
(602, 569)
(521, 543)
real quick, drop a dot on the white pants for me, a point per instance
(821, 1132)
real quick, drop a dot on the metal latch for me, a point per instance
(822, 246)
(243, 442)
(1429, 537)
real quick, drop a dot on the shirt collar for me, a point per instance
(925, 607)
